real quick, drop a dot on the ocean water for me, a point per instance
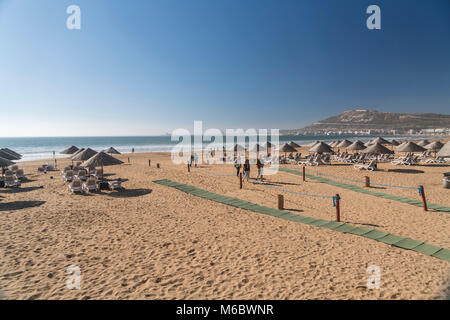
(43, 148)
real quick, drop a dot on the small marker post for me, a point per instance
(304, 175)
(157, 165)
(128, 159)
(149, 163)
(189, 167)
(424, 199)
(367, 182)
(338, 208)
(280, 202)
(240, 180)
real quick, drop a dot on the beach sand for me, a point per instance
(155, 242)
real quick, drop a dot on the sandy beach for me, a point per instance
(154, 242)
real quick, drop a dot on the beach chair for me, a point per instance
(11, 182)
(115, 185)
(99, 173)
(9, 173)
(82, 175)
(65, 170)
(20, 174)
(50, 167)
(68, 176)
(90, 185)
(372, 166)
(14, 168)
(75, 186)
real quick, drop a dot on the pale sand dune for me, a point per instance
(155, 242)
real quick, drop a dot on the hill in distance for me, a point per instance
(376, 120)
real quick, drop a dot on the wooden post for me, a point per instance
(338, 209)
(149, 163)
(189, 167)
(424, 200)
(304, 175)
(367, 182)
(128, 159)
(157, 165)
(240, 180)
(280, 202)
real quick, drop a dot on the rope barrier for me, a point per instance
(296, 193)
(358, 181)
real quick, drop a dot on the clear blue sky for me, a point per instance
(146, 67)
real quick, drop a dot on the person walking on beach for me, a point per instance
(237, 165)
(260, 167)
(195, 158)
(247, 169)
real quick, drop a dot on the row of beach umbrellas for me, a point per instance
(377, 145)
(93, 158)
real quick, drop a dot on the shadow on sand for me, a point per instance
(130, 193)
(18, 190)
(406, 171)
(18, 205)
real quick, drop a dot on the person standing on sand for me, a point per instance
(237, 165)
(247, 169)
(260, 167)
(195, 158)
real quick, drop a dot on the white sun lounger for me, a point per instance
(90, 185)
(75, 186)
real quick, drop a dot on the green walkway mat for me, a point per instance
(352, 187)
(381, 236)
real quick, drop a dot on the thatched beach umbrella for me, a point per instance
(287, 148)
(334, 144)
(237, 147)
(356, 146)
(423, 143)
(312, 144)
(111, 151)
(380, 140)
(79, 151)
(257, 148)
(293, 144)
(70, 150)
(410, 147)
(434, 146)
(268, 145)
(445, 151)
(84, 155)
(378, 149)
(395, 142)
(5, 162)
(344, 144)
(12, 152)
(8, 156)
(101, 159)
(321, 147)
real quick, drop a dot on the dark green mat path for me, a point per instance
(391, 239)
(352, 187)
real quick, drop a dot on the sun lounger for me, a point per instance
(82, 175)
(75, 186)
(11, 181)
(68, 176)
(115, 185)
(90, 185)
(372, 166)
(99, 174)
(20, 174)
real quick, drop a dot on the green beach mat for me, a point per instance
(381, 236)
(352, 187)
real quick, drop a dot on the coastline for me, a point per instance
(153, 242)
